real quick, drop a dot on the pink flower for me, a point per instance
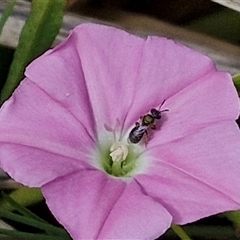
(66, 128)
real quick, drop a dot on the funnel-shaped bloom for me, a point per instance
(66, 130)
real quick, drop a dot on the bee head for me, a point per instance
(156, 113)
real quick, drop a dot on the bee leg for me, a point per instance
(137, 124)
(146, 138)
(153, 127)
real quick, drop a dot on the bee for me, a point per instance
(146, 122)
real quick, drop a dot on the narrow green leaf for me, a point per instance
(7, 12)
(33, 223)
(37, 36)
(30, 236)
(24, 211)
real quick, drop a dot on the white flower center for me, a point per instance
(117, 157)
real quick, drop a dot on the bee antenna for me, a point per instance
(161, 105)
(165, 110)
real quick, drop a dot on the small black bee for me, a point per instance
(147, 121)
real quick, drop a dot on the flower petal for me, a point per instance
(130, 69)
(104, 208)
(34, 167)
(59, 73)
(211, 99)
(137, 74)
(97, 67)
(36, 129)
(136, 216)
(198, 175)
(167, 67)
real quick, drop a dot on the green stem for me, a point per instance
(180, 232)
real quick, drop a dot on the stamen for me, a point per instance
(113, 130)
(118, 151)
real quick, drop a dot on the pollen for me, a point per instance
(118, 152)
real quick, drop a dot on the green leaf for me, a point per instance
(24, 196)
(233, 216)
(236, 81)
(37, 36)
(7, 12)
